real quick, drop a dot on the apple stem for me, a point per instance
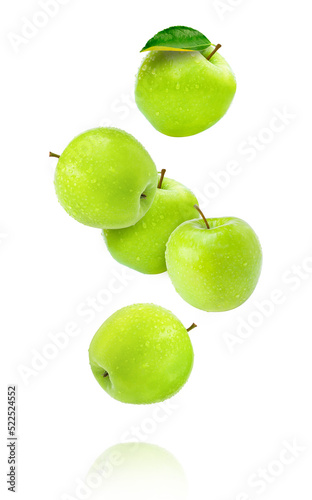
(105, 374)
(217, 47)
(143, 195)
(161, 178)
(191, 327)
(54, 155)
(201, 213)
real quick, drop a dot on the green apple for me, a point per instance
(214, 264)
(184, 93)
(142, 246)
(105, 178)
(141, 354)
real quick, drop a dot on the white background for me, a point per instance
(240, 405)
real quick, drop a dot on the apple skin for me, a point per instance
(214, 269)
(146, 352)
(142, 246)
(182, 93)
(100, 177)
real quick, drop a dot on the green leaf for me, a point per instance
(177, 38)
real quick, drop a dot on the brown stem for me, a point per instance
(201, 213)
(105, 374)
(143, 195)
(191, 327)
(161, 178)
(217, 47)
(54, 155)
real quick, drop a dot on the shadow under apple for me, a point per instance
(137, 471)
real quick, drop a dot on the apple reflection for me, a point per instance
(137, 471)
